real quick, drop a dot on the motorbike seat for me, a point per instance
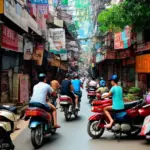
(9, 108)
(39, 105)
(129, 105)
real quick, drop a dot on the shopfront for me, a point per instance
(143, 70)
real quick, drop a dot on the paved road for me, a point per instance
(73, 136)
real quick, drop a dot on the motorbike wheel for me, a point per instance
(67, 114)
(76, 114)
(134, 132)
(97, 130)
(148, 139)
(37, 136)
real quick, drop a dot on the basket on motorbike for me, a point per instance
(64, 100)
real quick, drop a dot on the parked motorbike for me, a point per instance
(145, 131)
(68, 107)
(91, 94)
(8, 121)
(128, 121)
(41, 123)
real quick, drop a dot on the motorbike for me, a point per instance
(127, 121)
(41, 123)
(68, 107)
(91, 94)
(8, 121)
(145, 131)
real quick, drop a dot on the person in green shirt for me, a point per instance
(117, 99)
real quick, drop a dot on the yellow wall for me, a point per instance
(1, 6)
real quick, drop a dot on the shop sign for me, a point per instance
(43, 9)
(63, 57)
(11, 13)
(57, 39)
(32, 9)
(9, 39)
(20, 43)
(1, 6)
(143, 47)
(39, 1)
(28, 49)
(38, 55)
(23, 88)
(122, 40)
(143, 63)
(58, 22)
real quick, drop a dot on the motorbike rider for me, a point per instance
(117, 99)
(77, 84)
(93, 83)
(40, 92)
(102, 88)
(67, 88)
(55, 85)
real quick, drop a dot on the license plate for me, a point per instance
(63, 103)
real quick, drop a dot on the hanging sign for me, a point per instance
(39, 1)
(28, 50)
(57, 40)
(9, 39)
(43, 9)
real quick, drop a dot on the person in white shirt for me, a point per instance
(93, 83)
(40, 92)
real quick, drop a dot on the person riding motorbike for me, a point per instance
(93, 83)
(77, 84)
(102, 88)
(117, 99)
(40, 92)
(55, 85)
(67, 88)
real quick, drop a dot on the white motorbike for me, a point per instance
(8, 121)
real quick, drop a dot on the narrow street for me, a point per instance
(73, 136)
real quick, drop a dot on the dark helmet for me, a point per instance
(76, 76)
(42, 76)
(114, 78)
(67, 75)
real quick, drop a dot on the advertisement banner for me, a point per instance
(24, 88)
(1, 7)
(9, 39)
(43, 9)
(28, 50)
(39, 1)
(20, 43)
(57, 39)
(122, 40)
(38, 54)
(143, 63)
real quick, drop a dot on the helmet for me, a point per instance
(101, 78)
(67, 75)
(102, 83)
(42, 76)
(114, 78)
(76, 76)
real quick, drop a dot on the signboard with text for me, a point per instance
(39, 1)
(9, 39)
(57, 39)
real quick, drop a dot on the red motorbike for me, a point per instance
(128, 121)
(68, 107)
(91, 94)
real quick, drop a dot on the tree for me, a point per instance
(135, 13)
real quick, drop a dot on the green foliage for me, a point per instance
(131, 97)
(135, 13)
(134, 90)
